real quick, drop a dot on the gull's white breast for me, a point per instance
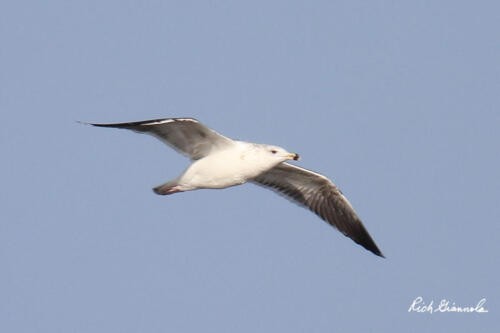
(228, 167)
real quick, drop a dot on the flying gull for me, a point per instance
(219, 162)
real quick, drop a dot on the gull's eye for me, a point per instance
(274, 151)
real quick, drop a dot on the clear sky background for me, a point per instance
(396, 101)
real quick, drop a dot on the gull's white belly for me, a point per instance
(222, 169)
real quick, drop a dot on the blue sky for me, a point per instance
(396, 101)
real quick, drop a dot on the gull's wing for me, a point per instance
(321, 196)
(186, 135)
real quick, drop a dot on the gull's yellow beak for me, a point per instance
(293, 156)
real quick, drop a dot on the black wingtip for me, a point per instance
(120, 125)
(372, 247)
(364, 239)
(91, 124)
(378, 253)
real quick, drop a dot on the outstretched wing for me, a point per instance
(321, 196)
(186, 135)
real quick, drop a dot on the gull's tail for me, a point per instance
(170, 187)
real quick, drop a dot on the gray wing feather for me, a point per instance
(321, 196)
(186, 135)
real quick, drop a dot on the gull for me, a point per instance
(219, 162)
